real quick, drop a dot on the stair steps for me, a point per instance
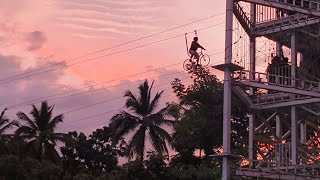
(242, 17)
(284, 23)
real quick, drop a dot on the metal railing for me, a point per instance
(306, 4)
(283, 21)
(276, 98)
(305, 170)
(277, 80)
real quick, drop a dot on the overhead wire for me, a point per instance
(112, 99)
(53, 97)
(102, 102)
(129, 49)
(100, 114)
(25, 103)
(61, 95)
(105, 101)
(106, 55)
(112, 47)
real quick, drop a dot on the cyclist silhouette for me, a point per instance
(193, 49)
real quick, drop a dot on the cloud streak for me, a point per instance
(109, 16)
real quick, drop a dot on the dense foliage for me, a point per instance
(195, 120)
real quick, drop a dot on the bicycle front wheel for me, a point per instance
(205, 60)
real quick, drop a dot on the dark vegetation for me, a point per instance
(192, 128)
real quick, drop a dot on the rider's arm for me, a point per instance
(201, 46)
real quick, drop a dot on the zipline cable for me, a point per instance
(113, 47)
(106, 55)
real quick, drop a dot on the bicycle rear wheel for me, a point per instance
(205, 60)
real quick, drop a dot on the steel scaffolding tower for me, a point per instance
(286, 90)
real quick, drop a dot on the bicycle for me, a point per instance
(204, 60)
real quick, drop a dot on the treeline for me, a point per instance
(195, 122)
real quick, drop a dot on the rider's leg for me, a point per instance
(192, 54)
(191, 57)
(196, 56)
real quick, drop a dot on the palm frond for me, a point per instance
(2, 114)
(55, 121)
(157, 142)
(161, 117)
(165, 136)
(45, 115)
(132, 102)
(57, 137)
(4, 121)
(137, 144)
(26, 130)
(35, 113)
(8, 126)
(154, 102)
(144, 98)
(24, 117)
(123, 123)
(149, 94)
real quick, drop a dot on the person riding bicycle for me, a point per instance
(193, 49)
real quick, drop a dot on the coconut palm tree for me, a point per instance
(142, 119)
(5, 123)
(39, 130)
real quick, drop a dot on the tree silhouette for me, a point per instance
(40, 130)
(5, 123)
(142, 119)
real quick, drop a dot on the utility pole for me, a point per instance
(226, 170)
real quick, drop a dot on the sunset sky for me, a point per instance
(36, 33)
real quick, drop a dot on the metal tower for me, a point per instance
(286, 89)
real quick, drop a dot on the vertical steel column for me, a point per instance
(252, 77)
(303, 137)
(278, 49)
(279, 134)
(294, 133)
(303, 132)
(278, 120)
(252, 43)
(226, 169)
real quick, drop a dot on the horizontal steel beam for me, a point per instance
(286, 104)
(286, 6)
(271, 174)
(280, 88)
(284, 28)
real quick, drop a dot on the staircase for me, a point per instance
(279, 83)
(284, 23)
(281, 167)
(271, 170)
(276, 98)
(281, 90)
(273, 100)
(242, 17)
(240, 93)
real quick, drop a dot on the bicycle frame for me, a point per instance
(200, 55)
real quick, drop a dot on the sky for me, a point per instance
(39, 34)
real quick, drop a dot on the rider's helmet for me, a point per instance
(195, 38)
